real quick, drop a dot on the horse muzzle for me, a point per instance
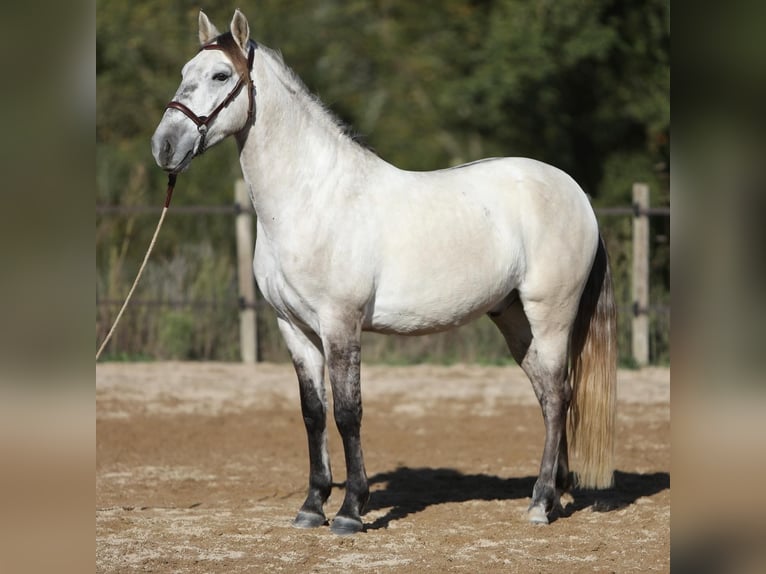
(173, 151)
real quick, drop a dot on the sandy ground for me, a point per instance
(202, 466)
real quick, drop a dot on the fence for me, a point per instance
(250, 305)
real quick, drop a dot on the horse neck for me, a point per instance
(295, 155)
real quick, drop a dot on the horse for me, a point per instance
(347, 243)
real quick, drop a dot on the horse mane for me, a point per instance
(295, 85)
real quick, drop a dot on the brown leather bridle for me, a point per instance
(226, 44)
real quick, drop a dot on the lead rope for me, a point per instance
(171, 185)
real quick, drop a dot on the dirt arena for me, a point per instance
(202, 466)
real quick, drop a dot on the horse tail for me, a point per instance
(593, 376)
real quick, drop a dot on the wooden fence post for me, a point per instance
(248, 320)
(640, 327)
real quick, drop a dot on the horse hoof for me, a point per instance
(309, 520)
(344, 526)
(537, 515)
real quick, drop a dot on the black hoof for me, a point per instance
(344, 526)
(309, 520)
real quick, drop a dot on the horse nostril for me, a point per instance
(164, 146)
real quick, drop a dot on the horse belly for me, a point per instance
(442, 287)
(425, 316)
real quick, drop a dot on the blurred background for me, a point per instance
(581, 85)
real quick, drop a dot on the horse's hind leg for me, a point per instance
(309, 366)
(540, 348)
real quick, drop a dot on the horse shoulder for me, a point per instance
(320, 267)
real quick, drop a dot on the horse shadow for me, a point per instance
(411, 490)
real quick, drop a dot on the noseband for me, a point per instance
(202, 122)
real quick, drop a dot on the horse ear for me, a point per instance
(240, 29)
(207, 30)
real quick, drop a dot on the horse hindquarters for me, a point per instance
(541, 351)
(543, 335)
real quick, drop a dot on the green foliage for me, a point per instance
(176, 335)
(581, 85)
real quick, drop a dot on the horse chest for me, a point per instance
(301, 282)
(280, 288)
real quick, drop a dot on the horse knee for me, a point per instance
(348, 417)
(344, 365)
(343, 361)
(314, 413)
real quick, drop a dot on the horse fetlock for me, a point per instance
(564, 481)
(354, 504)
(349, 517)
(322, 490)
(357, 495)
(544, 496)
(317, 496)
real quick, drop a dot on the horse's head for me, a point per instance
(215, 98)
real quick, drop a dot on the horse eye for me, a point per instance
(221, 77)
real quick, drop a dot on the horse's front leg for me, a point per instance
(343, 355)
(309, 366)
